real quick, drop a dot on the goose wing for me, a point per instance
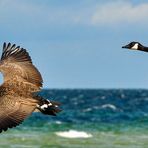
(14, 109)
(16, 64)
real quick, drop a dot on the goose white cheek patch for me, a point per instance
(135, 46)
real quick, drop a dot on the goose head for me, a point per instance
(134, 46)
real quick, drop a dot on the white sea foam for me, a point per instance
(87, 110)
(73, 134)
(109, 106)
(58, 122)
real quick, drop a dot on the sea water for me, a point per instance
(91, 118)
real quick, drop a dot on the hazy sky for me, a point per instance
(77, 44)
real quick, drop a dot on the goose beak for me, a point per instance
(126, 46)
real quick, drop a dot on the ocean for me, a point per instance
(91, 118)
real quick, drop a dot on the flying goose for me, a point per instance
(136, 46)
(18, 97)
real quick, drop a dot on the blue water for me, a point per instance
(100, 105)
(115, 118)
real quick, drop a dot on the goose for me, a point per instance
(18, 93)
(136, 46)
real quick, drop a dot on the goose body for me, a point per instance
(22, 80)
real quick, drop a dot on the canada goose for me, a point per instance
(136, 46)
(18, 97)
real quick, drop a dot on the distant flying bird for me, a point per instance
(18, 97)
(136, 46)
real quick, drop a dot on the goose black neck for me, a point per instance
(144, 48)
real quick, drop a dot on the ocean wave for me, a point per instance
(87, 109)
(105, 106)
(111, 106)
(73, 134)
(58, 122)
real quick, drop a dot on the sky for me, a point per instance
(77, 44)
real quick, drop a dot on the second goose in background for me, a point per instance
(136, 46)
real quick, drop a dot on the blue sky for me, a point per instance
(77, 44)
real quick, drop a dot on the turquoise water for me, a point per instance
(114, 118)
(104, 135)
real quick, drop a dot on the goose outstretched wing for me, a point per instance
(16, 64)
(14, 110)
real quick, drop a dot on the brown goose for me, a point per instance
(18, 97)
